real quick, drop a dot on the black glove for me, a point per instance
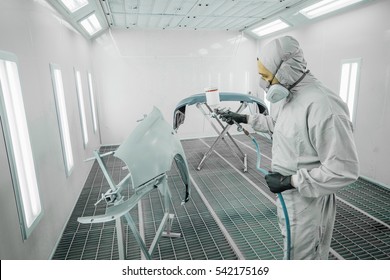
(229, 117)
(278, 183)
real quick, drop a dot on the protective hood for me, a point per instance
(284, 53)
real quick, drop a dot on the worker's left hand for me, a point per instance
(278, 183)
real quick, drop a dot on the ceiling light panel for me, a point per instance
(326, 6)
(91, 24)
(74, 5)
(271, 27)
(81, 10)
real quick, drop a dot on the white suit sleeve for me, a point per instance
(334, 143)
(262, 123)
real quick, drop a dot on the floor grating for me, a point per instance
(239, 209)
(371, 198)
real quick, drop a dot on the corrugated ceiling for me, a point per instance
(192, 14)
(233, 15)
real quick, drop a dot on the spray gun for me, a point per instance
(217, 113)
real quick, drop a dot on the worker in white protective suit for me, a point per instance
(313, 150)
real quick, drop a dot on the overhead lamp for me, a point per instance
(91, 24)
(325, 6)
(74, 5)
(271, 27)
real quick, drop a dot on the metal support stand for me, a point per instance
(120, 239)
(221, 136)
(118, 208)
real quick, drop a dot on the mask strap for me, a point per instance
(300, 79)
(277, 69)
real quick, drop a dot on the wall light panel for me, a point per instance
(18, 145)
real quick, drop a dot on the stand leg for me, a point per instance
(225, 131)
(211, 149)
(137, 236)
(167, 232)
(168, 227)
(120, 239)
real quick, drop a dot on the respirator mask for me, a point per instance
(274, 93)
(277, 92)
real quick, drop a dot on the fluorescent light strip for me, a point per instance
(74, 5)
(91, 24)
(344, 84)
(352, 89)
(348, 84)
(19, 149)
(326, 6)
(80, 98)
(63, 119)
(270, 27)
(92, 97)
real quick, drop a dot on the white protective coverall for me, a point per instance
(313, 141)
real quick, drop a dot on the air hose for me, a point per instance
(280, 196)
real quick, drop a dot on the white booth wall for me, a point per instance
(38, 36)
(137, 70)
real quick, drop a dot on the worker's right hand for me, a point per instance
(231, 117)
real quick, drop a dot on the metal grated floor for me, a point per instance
(248, 216)
(371, 198)
(357, 237)
(230, 215)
